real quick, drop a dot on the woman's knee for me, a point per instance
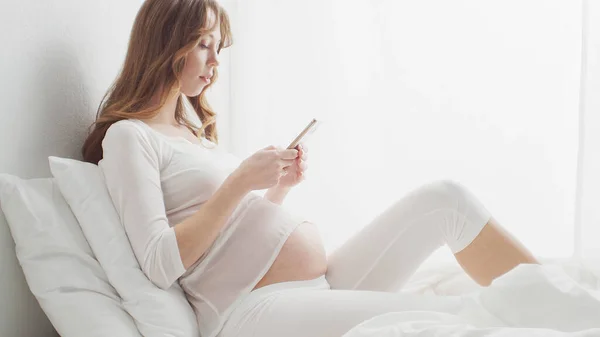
(469, 214)
(445, 191)
(435, 198)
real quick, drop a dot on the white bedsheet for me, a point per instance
(531, 300)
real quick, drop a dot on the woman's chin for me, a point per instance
(193, 93)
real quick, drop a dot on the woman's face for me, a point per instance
(201, 62)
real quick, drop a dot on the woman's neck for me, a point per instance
(166, 114)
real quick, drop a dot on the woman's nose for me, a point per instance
(214, 59)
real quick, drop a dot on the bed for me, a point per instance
(79, 265)
(561, 297)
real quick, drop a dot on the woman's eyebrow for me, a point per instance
(212, 36)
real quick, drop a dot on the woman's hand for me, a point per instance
(296, 172)
(265, 168)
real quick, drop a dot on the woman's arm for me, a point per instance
(198, 232)
(277, 194)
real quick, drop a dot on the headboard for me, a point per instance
(57, 60)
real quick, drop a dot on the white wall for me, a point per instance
(57, 59)
(219, 95)
(485, 93)
(590, 108)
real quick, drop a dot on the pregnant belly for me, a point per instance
(302, 257)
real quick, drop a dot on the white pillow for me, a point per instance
(59, 266)
(157, 312)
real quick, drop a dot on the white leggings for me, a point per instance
(365, 273)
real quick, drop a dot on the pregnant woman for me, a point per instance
(248, 266)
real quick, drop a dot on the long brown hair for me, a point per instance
(163, 33)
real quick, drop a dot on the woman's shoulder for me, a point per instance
(128, 132)
(127, 128)
(126, 125)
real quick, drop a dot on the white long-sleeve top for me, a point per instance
(155, 182)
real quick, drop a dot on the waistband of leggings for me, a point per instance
(316, 283)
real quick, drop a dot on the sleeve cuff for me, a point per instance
(172, 267)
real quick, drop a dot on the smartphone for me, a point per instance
(310, 128)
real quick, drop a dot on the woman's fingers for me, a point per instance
(302, 152)
(288, 154)
(303, 166)
(286, 162)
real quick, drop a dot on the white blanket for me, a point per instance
(530, 300)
